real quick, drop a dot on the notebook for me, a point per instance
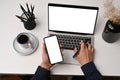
(72, 20)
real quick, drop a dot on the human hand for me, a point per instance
(86, 53)
(45, 60)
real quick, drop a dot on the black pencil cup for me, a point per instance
(111, 32)
(28, 17)
(30, 24)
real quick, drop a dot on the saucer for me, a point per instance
(26, 51)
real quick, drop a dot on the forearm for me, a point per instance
(41, 74)
(90, 71)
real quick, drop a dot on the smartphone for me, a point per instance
(53, 49)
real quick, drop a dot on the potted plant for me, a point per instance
(112, 28)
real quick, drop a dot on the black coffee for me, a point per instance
(22, 39)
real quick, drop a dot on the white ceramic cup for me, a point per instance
(24, 41)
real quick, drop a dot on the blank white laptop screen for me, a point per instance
(72, 19)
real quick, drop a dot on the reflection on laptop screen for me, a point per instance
(76, 19)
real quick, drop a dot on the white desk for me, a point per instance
(107, 55)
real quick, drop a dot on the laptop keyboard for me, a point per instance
(69, 42)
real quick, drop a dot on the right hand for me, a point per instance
(86, 53)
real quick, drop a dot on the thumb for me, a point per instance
(44, 48)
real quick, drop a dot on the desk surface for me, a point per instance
(106, 55)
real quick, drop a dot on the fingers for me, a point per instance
(75, 49)
(61, 49)
(82, 45)
(92, 50)
(60, 43)
(89, 46)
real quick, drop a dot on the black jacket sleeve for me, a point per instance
(89, 69)
(91, 72)
(41, 74)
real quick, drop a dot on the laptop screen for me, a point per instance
(72, 19)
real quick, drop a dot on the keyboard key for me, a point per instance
(69, 42)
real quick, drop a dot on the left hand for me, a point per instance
(45, 61)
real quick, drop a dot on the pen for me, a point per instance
(24, 11)
(28, 8)
(20, 17)
(29, 12)
(76, 53)
(32, 9)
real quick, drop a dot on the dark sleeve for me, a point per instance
(41, 74)
(91, 72)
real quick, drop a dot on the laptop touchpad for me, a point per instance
(68, 57)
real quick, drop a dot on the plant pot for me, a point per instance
(111, 32)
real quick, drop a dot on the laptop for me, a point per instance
(72, 20)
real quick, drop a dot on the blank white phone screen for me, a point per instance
(53, 49)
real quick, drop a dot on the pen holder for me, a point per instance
(28, 17)
(29, 24)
